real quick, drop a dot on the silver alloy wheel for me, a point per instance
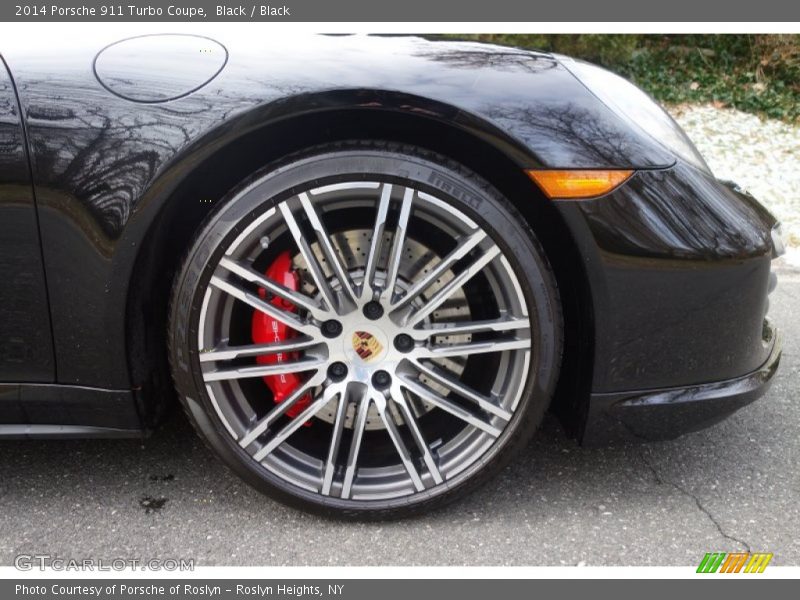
(409, 414)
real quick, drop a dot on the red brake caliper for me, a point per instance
(266, 330)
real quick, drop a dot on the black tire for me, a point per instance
(458, 187)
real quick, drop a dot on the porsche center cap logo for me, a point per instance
(366, 345)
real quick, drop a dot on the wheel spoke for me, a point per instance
(285, 317)
(275, 288)
(465, 245)
(413, 427)
(454, 284)
(429, 395)
(336, 440)
(355, 445)
(468, 348)
(225, 352)
(447, 380)
(399, 444)
(312, 263)
(308, 363)
(368, 289)
(280, 409)
(398, 240)
(470, 327)
(327, 248)
(297, 422)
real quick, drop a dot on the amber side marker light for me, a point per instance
(571, 185)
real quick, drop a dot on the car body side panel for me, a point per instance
(57, 410)
(104, 166)
(26, 349)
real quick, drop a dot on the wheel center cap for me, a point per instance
(368, 346)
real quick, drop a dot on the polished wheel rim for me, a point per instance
(411, 336)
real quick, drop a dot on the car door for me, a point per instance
(26, 345)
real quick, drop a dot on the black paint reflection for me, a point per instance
(678, 213)
(97, 157)
(681, 277)
(26, 352)
(586, 135)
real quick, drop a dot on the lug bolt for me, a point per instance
(337, 371)
(331, 328)
(404, 343)
(373, 310)
(381, 380)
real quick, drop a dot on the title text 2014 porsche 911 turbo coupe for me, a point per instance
(368, 265)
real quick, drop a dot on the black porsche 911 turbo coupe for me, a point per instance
(368, 265)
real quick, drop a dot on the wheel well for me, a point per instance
(172, 232)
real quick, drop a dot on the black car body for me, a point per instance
(113, 154)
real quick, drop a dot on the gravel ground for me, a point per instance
(761, 155)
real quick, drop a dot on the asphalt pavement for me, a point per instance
(729, 488)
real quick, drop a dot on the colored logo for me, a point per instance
(366, 345)
(734, 562)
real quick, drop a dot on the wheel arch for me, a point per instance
(216, 164)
